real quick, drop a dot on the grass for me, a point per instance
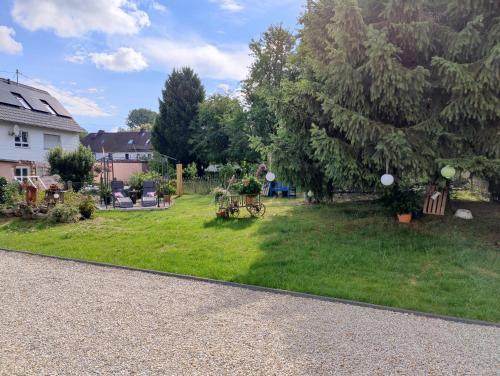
(355, 251)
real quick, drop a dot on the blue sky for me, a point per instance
(102, 58)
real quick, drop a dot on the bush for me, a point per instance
(64, 213)
(168, 188)
(226, 172)
(248, 186)
(190, 171)
(76, 166)
(87, 207)
(10, 193)
(401, 201)
(137, 179)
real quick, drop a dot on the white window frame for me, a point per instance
(18, 140)
(21, 177)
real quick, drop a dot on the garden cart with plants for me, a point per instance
(229, 206)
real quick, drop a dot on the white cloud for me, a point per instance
(229, 5)
(78, 58)
(125, 59)
(7, 42)
(73, 18)
(223, 88)
(158, 7)
(75, 104)
(208, 60)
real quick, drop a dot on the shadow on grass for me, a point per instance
(230, 223)
(359, 252)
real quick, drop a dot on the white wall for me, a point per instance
(36, 151)
(132, 155)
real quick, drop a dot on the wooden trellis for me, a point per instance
(435, 200)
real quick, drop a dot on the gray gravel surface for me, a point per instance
(65, 318)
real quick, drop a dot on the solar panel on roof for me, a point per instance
(35, 103)
(58, 108)
(7, 98)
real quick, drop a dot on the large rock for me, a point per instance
(463, 213)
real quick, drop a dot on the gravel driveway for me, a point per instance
(65, 318)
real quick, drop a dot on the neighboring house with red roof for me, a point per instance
(31, 123)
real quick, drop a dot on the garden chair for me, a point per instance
(149, 197)
(119, 198)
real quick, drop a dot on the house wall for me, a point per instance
(121, 155)
(36, 151)
(124, 169)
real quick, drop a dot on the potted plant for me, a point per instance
(402, 203)
(166, 190)
(249, 187)
(105, 193)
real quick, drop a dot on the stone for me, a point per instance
(463, 213)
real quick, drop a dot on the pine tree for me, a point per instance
(174, 124)
(415, 85)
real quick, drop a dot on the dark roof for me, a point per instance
(119, 142)
(13, 111)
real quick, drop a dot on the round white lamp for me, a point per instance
(310, 194)
(387, 179)
(448, 172)
(270, 176)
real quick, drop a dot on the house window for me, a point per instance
(51, 141)
(48, 107)
(21, 141)
(21, 173)
(126, 156)
(22, 101)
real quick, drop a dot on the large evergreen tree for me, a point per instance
(411, 83)
(173, 127)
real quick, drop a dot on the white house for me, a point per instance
(132, 146)
(31, 123)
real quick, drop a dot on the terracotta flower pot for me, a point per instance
(404, 218)
(249, 200)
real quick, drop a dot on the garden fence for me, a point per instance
(201, 185)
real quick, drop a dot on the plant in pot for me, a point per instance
(249, 187)
(105, 193)
(167, 190)
(401, 202)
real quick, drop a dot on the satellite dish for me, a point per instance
(270, 176)
(17, 131)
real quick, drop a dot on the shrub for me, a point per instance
(168, 188)
(401, 201)
(248, 186)
(87, 207)
(226, 172)
(3, 193)
(10, 193)
(64, 213)
(190, 171)
(75, 166)
(137, 179)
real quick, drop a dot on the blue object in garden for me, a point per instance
(276, 187)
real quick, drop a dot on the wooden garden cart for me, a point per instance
(230, 206)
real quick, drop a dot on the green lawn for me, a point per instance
(354, 251)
